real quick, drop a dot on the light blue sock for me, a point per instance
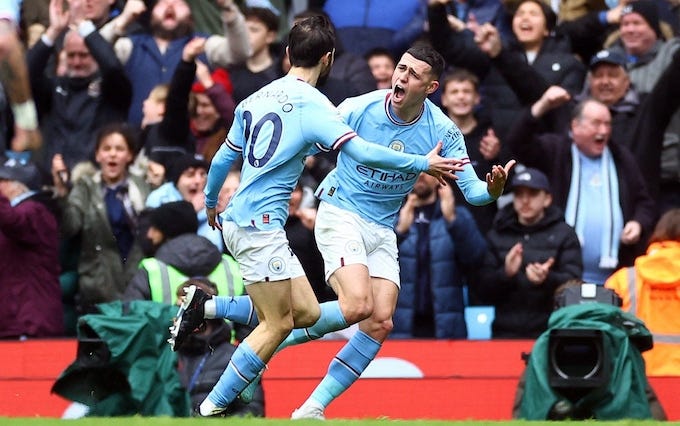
(331, 319)
(237, 309)
(242, 369)
(346, 367)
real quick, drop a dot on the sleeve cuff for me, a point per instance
(48, 42)
(86, 28)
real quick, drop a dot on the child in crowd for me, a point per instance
(101, 210)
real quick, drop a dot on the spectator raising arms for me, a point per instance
(151, 59)
(438, 243)
(94, 90)
(596, 181)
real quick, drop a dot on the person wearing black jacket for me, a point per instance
(639, 119)
(535, 44)
(532, 251)
(94, 90)
(460, 97)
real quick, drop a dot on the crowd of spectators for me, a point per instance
(133, 98)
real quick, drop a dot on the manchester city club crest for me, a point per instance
(397, 146)
(276, 265)
(353, 247)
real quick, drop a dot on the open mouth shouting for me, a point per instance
(398, 93)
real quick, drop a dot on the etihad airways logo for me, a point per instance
(390, 176)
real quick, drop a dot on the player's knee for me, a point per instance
(386, 326)
(279, 330)
(306, 317)
(358, 311)
(379, 330)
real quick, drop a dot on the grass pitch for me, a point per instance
(234, 421)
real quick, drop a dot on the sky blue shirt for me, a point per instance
(377, 194)
(274, 130)
(591, 200)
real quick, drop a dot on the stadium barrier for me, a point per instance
(411, 379)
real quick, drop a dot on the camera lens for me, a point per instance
(576, 358)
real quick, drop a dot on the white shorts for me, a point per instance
(345, 238)
(261, 255)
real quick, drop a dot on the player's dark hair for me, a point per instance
(426, 53)
(309, 40)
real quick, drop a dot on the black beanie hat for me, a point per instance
(649, 12)
(184, 162)
(174, 219)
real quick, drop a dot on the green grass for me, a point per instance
(166, 421)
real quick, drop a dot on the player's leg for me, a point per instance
(268, 284)
(240, 309)
(356, 355)
(339, 236)
(303, 298)
(272, 303)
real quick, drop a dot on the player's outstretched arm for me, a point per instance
(374, 155)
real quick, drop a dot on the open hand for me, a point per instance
(211, 212)
(193, 48)
(631, 232)
(406, 214)
(447, 202)
(513, 260)
(489, 145)
(488, 40)
(441, 166)
(537, 272)
(495, 181)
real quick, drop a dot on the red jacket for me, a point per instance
(29, 261)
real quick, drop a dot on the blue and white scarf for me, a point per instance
(611, 218)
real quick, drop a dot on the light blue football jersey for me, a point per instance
(274, 129)
(377, 194)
